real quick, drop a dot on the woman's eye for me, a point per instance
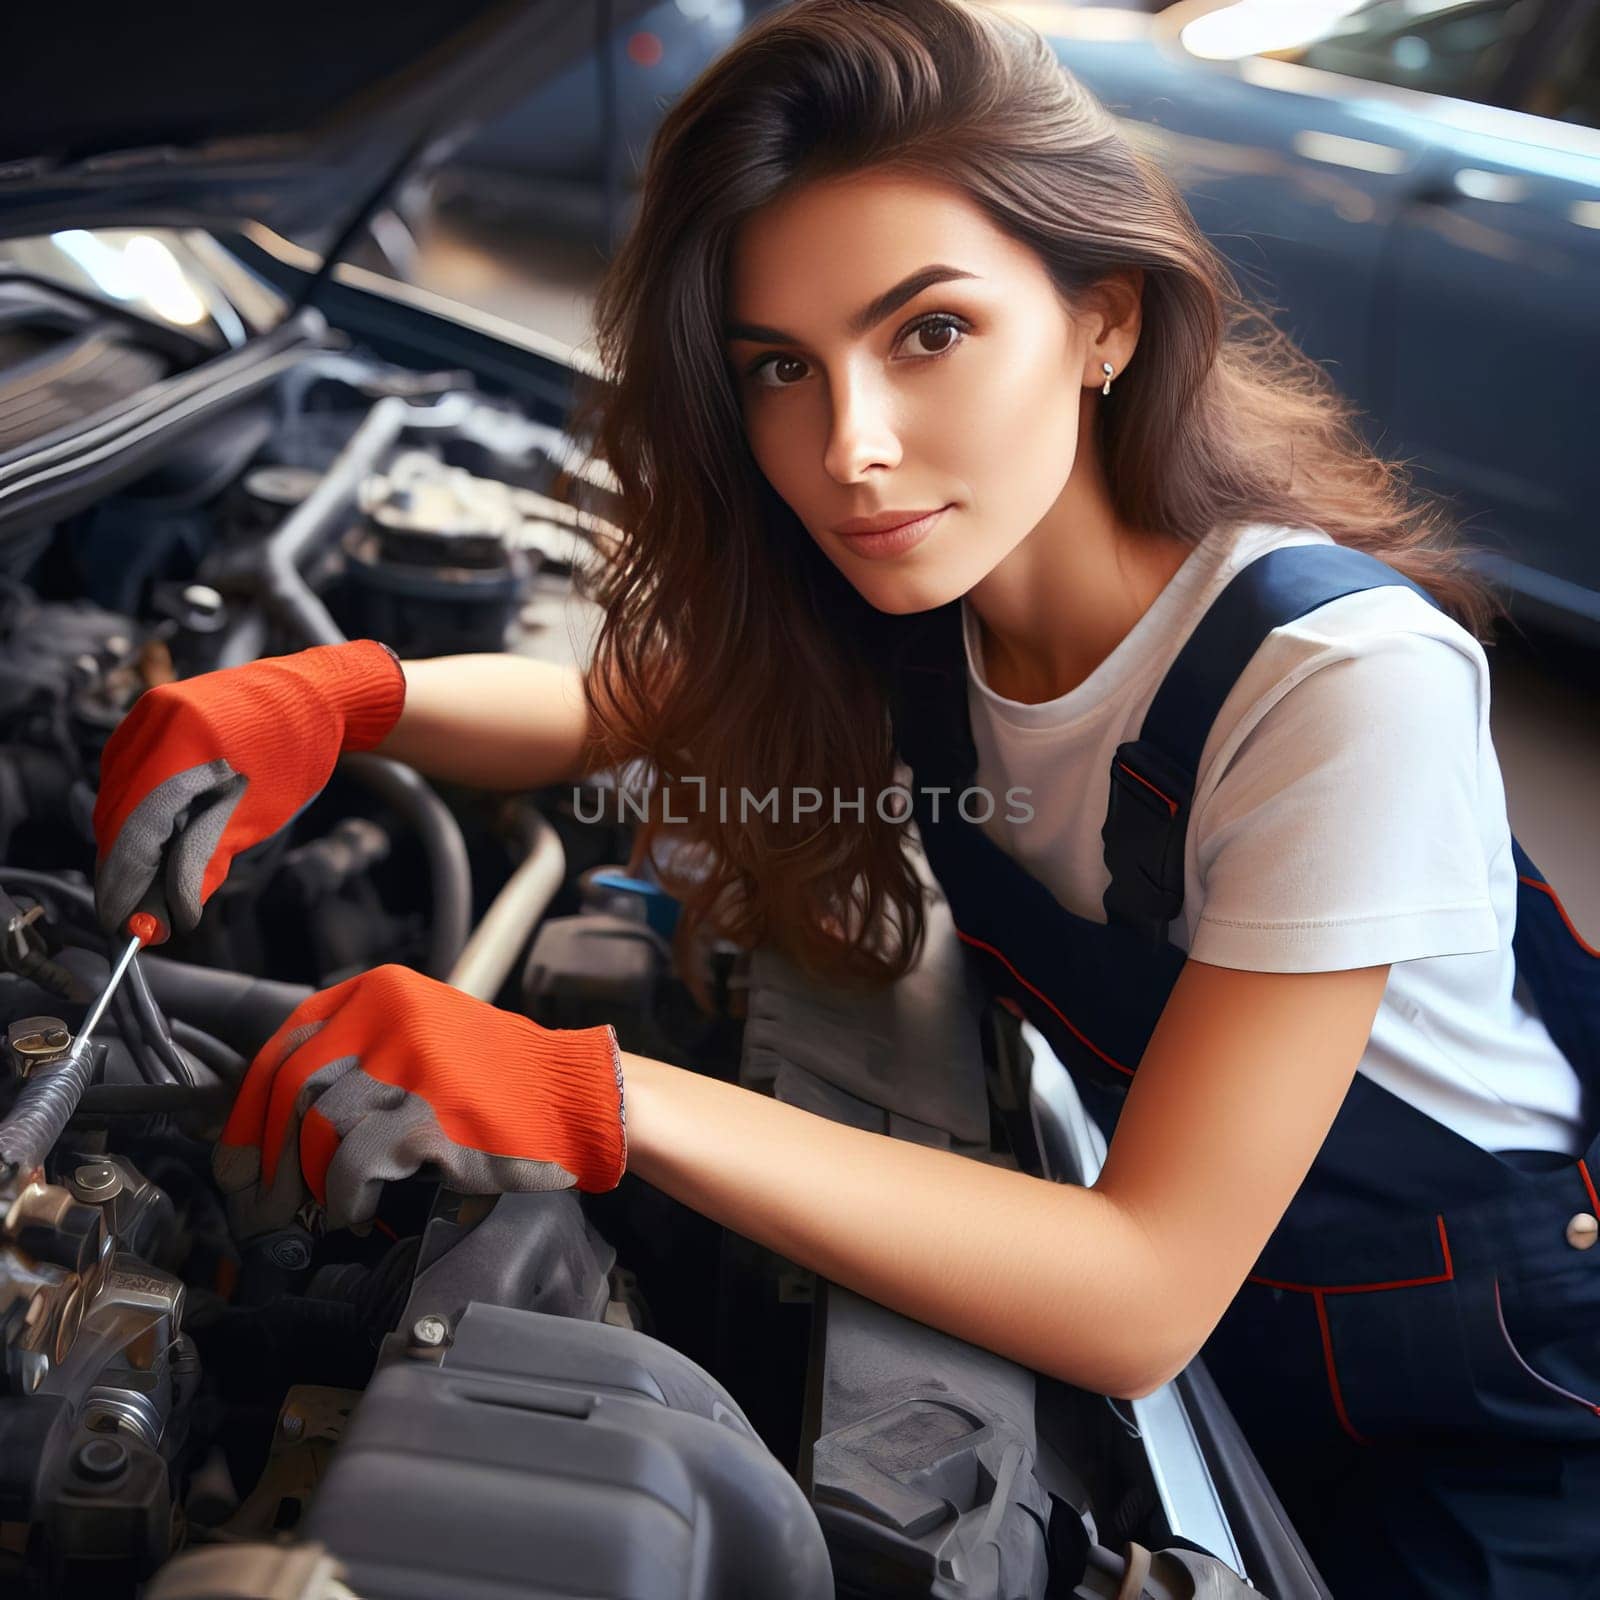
(775, 364)
(939, 334)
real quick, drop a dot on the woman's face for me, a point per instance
(896, 353)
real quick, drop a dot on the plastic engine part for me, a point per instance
(527, 1455)
(922, 1471)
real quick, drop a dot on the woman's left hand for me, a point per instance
(371, 1079)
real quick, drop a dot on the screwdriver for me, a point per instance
(46, 1103)
(144, 927)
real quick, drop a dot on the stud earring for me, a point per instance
(1106, 367)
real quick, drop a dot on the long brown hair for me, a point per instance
(732, 652)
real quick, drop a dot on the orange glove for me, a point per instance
(368, 1080)
(202, 769)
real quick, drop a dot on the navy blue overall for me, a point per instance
(1416, 1356)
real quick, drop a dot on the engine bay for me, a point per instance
(476, 1395)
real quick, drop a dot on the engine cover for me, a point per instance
(537, 1455)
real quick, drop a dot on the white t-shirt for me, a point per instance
(1348, 812)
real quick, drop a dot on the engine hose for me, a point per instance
(151, 1067)
(43, 1107)
(155, 1028)
(245, 639)
(449, 871)
(326, 510)
(503, 933)
(323, 513)
(58, 979)
(241, 1011)
(211, 1052)
(153, 1099)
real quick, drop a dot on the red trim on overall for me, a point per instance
(1555, 899)
(1172, 805)
(1588, 1183)
(1369, 1288)
(1044, 999)
(1319, 1295)
(1333, 1371)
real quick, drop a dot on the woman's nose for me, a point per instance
(862, 432)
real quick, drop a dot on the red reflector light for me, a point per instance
(644, 50)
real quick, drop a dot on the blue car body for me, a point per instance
(1441, 255)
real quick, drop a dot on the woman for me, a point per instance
(891, 263)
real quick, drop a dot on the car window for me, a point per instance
(1568, 85)
(1439, 46)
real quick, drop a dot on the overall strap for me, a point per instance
(928, 695)
(1153, 776)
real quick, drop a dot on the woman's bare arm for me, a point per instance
(1115, 1287)
(492, 721)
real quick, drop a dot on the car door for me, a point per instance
(1287, 170)
(1490, 325)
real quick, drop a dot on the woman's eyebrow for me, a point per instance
(868, 317)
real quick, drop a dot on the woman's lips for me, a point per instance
(894, 541)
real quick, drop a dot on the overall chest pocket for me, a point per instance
(1440, 1352)
(1485, 1354)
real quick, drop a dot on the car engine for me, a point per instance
(531, 1394)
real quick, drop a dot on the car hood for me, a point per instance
(299, 116)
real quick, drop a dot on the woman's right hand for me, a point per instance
(203, 768)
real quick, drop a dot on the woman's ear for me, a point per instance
(1113, 310)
